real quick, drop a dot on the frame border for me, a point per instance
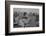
(20, 33)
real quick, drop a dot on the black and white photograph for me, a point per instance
(25, 17)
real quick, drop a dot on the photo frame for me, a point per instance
(24, 17)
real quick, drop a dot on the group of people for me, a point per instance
(25, 19)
